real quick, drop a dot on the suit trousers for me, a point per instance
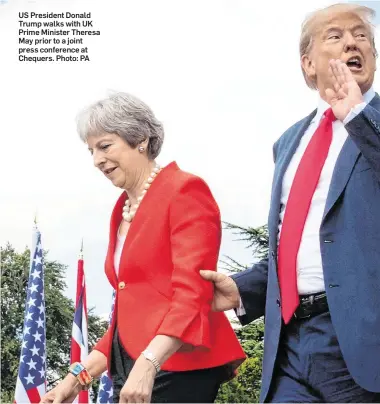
(310, 367)
(196, 386)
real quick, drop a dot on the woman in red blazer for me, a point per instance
(164, 344)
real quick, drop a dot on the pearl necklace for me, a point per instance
(130, 212)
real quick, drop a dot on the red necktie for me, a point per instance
(296, 211)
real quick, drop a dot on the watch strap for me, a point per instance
(150, 357)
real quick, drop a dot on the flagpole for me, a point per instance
(34, 238)
(79, 337)
(81, 251)
(31, 379)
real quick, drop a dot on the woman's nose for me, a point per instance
(98, 159)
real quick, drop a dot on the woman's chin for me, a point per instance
(116, 183)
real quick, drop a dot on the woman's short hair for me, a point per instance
(313, 22)
(125, 115)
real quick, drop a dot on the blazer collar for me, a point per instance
(280, 169)
(344, 165)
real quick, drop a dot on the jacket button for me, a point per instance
(121, 285)
(278, 302)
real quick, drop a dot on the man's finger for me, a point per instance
(333, 78)
(330, 94)
(335, 74)
(337, 71)
(340, 72)
(211, 276)
(347, 73)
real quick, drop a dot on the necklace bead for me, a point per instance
(130, 212)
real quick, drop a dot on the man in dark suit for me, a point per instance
(319, 287)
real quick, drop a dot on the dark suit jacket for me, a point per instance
(350, 248)
(176, 232)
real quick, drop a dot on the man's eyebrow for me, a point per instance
(331, 28)
(336, 28)
(359, 26)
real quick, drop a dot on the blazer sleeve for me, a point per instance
(252, 284)
(364, 129)
(195, 229)
(103, 344)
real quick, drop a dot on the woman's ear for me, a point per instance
(143, 145)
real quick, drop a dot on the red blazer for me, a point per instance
(176, 232)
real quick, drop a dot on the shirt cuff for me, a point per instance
(354, 112)
(240, 311)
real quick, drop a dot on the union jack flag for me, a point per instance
(79, 339)
(31, 379)
(105, 387)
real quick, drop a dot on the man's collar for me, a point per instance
(323, 106)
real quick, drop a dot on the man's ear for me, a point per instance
(308, 66)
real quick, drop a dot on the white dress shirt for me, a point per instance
(309, 259)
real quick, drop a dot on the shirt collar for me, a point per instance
(323, 106)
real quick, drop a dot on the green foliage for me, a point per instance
(245, 387)
(257, 239)
(251, 338)
(59, 318)
(241, 389)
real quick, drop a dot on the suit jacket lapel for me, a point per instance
(344, 166)
(282, 162)
(147, 205)
(342, 172)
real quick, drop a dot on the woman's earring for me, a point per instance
(141, 149)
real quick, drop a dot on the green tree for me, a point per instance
(59, 318)
(246, 386)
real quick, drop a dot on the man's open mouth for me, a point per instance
(354, 63)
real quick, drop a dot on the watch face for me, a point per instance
(147, 354)
(76, 369)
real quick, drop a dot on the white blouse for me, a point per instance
(118, 249)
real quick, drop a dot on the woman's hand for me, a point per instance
(139, 385)
(65, 391)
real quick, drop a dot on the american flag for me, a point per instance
(79, 339)
(31, 379)
(105, 387)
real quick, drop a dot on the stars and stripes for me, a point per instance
(105, 387)
(79, 339)
(31, 379)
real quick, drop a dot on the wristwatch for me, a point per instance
(150, 357)
(82, 375)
